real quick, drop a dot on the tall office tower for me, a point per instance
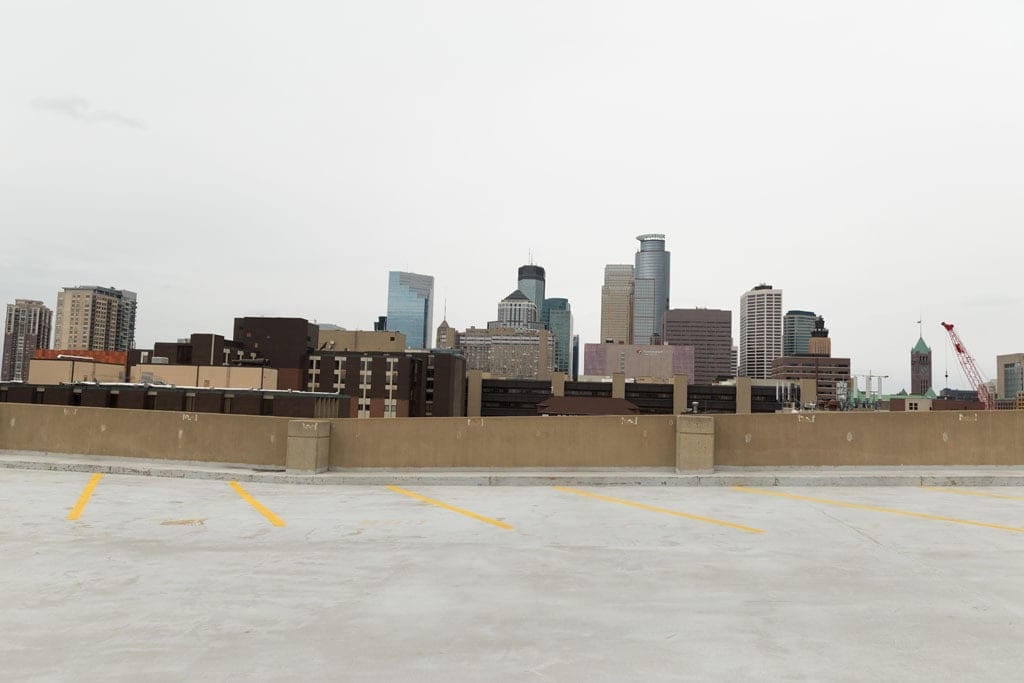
(95, 319)
(650, 288)
(617, 304)
(709, 332)
(760, 331)
(558, 316)
(411, 307)
(1009, 375)
(531, 283)
(796, 332)
(27, 328)
(920, 368)
(819, 343)
(517, 311)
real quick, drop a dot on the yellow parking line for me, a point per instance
(664, 511)
(76, 511)
(274, 519)
(452, 508)
(872, 508)
(946, 489)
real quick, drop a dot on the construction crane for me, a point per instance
(970, 368)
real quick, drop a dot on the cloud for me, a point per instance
(80, 109)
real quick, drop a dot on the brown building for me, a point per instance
(285, 344)
(826, 372)
(382, 384)
(200, 349)
(361, 340)
(709, 332)
(26, 329)
(520, 353)
(647, 361)
(920, 368)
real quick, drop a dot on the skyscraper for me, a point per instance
(760, 331)
(617, 304)
(650, 288)
(411, 307)
(517, 311)
(709, 332)
(26, 329)
(920, 368)
(95, 319)
(559, 320)
(531, 283)
(796, 332)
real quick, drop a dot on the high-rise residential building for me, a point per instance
(558, 319)
(95, 319)
(796, 332)
(531, 283)
(651, 280)
(26, 329)
(517, 311)
(1009, 375)
(617, 304)
(521, 353)
(709, 332)
(411, 307)
(920, 368)
(760, 331)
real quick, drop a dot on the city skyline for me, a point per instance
(557, 137)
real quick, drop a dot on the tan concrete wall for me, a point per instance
(871, 439)
(214, 376)
(362, 340)
(615, 441)
(144, 433)
(42, 371)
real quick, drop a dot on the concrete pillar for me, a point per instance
(619, 385)
(474, 393)
(743, 387)
(558, 384)
(695, 444)
(808, 392)
(680, 384)
(309, 446)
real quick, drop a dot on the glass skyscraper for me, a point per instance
(650, 288)
(558, 318)
(531, 283)
(796, 332)
(411, 307)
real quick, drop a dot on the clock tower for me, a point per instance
(920, 368)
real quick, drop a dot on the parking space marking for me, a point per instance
(452, 508)
(274, 519)
(873, 508)
(76, 511)
(664, 511)
(947, 489)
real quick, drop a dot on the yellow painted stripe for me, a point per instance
(664, 511)
(274, 519)
(76, 511)
(872, 508)
(946, 489)
(452, 508)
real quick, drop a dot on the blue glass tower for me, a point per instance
(557, 316)
(650, 288)
(411, 307)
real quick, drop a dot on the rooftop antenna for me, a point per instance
(530, 251)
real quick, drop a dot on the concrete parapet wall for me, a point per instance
(688, 443)
(242, 439)
(870, 439)
(613, 441)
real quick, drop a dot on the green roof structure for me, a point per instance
(921, 347)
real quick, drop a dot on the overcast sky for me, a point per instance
(247, 158)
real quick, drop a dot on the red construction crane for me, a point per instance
(970, 368)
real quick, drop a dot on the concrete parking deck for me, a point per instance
(165, 579)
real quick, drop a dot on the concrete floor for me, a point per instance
(168, 580)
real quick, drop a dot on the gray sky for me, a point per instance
(225, 159)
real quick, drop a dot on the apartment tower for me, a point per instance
(95, 319)
(27, 328)
(760, 331)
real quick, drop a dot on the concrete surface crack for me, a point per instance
(853, 528)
